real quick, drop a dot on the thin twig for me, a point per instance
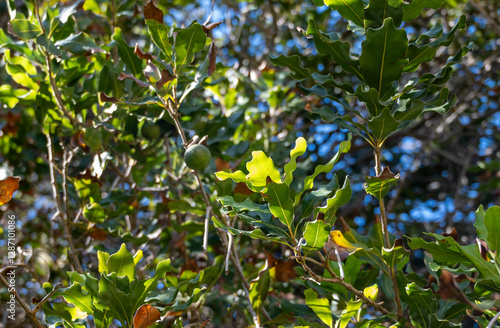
(492, 322)
(31, 316)
(46, 298)
(60, 212)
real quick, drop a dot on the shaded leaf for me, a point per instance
(293, 63)
(415, 8)
(280, 203)
(24, 29)
(79, 44)
(126, 53)
(378, 10)
(259, 288)
(161, 35)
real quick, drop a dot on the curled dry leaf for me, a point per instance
(146, 316)
(105, 98)
(166, 76)
(7, 188)
(141, 54)
(208, 27)
(153, 12)
(212, 55)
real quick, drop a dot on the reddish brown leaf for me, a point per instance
(12, 126)
(449, 290)
(98, 234)
(283, 270)
(483, 249)
(345, 226)
(453, 234)
(105, 98)
(376, 219)
(141, 54)
(7, 188)
(320, 216)
(431, 280)
(242, 188)
(212, 56)
(221, 165)
(308, 107)
(146, 316)
(207, 28)
(398, 243)
(88, 176)
(269, 180)
(77, 140)
(165, 77)
(140, 83)
(153, 12)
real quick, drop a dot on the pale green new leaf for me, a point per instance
(382, 59)
(237, 176)
(352, 10)
(118, 301)
(122, 263)
(350, 311)
(75, 295)
(299, 150)
(320, 306)
(259, 168)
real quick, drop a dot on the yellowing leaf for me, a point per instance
(7, 188)
(340, 240)
(371, 292)
(259, 168)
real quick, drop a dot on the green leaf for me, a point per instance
(293, 63)
(259, 168)
(309, 180)
(320, 306)
(415, 8)
(75, 295)
(237, 176)
(60, 314)
(371, 98)
(24, 29)
(255, 234)
(102, 258)
(350, 311)
(382, 58)
(378, 10)
(338, 50)
(161, 35)
(380, 185)
(329, 84)
(126, 53)
(299, 150)
(144, 287)
(118, 301)
(188, 42)
(315, 234)
(280, 204)
(93, 138)
(352, 10)
(122, 263)
(422, 304)
(259, 289)
(492, 223)
(78, 44)
(316, 196)
(420, 53)
(383, 125)
(340, 198)
(482, 231)
(396, 256)
(246, 205)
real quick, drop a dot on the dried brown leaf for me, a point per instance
(7, 188)
(146, 316)
(153, 12)
(212, 57)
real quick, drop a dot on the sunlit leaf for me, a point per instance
(320, 306)
(299, 150)
(146, 316)
(8, 187)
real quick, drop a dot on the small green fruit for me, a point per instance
(151, 131)
(197, 157)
